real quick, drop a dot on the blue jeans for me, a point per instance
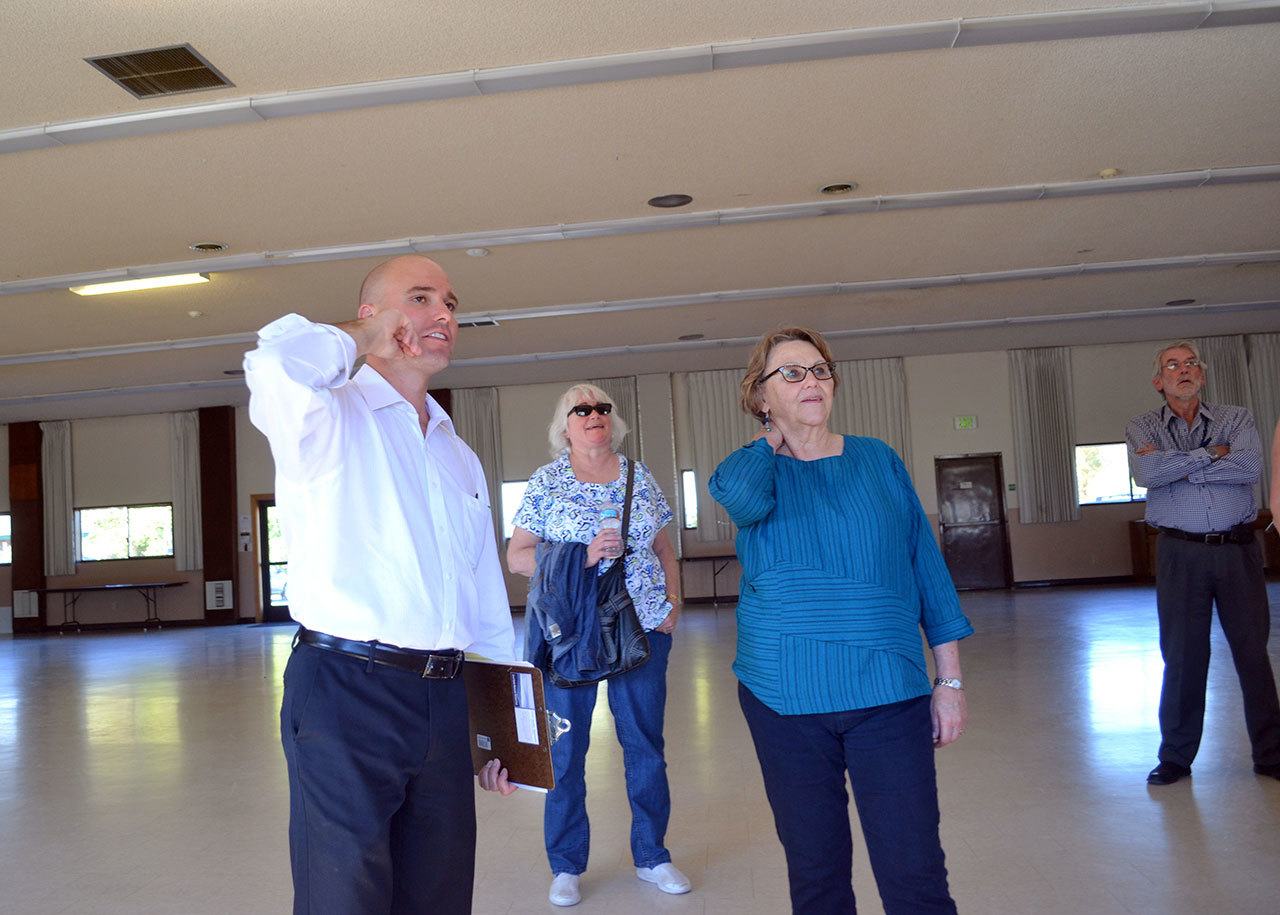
(888, 753)
(638, 700)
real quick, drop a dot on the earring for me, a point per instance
(768, 421)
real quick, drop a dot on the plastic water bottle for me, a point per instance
(611, 520)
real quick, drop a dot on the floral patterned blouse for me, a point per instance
(558, 506)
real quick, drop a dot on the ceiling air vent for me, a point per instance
(478, 322)
(160, 71)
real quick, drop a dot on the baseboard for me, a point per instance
(1057, 582)
(121, 626)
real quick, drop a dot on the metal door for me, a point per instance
(975, 533)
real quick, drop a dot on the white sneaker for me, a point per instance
(564, 890)
(665, 877)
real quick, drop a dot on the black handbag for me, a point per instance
(624, 645)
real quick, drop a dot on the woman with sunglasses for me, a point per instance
(840, 572)
(562, 503)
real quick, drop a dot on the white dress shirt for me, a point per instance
(389, 531)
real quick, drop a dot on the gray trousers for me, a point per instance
(1190, 579)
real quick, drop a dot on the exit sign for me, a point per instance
(964, 423)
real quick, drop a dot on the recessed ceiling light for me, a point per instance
(195, 314)
(208, 247)
(236, 372)
(688, 337)
(1109, 173)
(844, 187)
(150, 282)
(478, 252)
(1174, 303)
(667, 201)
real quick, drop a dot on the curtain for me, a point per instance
(59, 520)
(475, 417)
(184, 471)
(622, 394)
(1263, 351)
(1044, 434)
(872, 401)
(719, 426)
(1227, 371)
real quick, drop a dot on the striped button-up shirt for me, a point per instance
(1186, 488)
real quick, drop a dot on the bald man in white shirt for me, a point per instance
(393, 573)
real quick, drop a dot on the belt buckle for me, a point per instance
(1215, 539)
(437, 665)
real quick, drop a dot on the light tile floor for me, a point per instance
(141, 773)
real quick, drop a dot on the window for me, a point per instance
(1102, 475)
(689, 498)
(124, 532)
(512, 496)
(6, 540)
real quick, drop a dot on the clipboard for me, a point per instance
(509, 721)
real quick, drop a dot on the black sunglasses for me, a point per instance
(584, 409)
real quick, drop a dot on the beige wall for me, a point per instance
(940, 388)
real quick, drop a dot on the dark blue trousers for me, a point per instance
(381, 793)
(888, 753)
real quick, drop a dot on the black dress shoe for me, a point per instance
(1167, 773)
(1272, 769)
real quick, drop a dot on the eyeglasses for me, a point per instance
(1173, 364)
(794, 374)
(584, 409)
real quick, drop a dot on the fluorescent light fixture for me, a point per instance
(145, 282)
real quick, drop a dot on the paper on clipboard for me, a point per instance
(508, 718)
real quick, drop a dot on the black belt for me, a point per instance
(438, 664)
(1241, 533)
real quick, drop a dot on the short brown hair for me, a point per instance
(749, 389)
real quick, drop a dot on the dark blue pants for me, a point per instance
(381, 794)
(1190, 579)
(888, 752)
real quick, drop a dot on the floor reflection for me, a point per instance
(138, 770)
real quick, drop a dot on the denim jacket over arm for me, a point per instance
(561, 617)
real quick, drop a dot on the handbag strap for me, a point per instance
(626, 506)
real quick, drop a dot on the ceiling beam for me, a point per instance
(938, 35)
(809, 209)
(812, 290)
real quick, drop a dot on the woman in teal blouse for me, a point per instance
(840, 572)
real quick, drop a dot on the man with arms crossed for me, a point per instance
(393, 572)
(1200, 463)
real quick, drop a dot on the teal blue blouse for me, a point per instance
(840, 572)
